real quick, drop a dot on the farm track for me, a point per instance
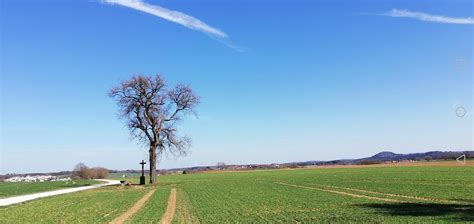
(391, 195)
(344, 193)
(382, 195)
(170, 210)
(417, 183)
(324, 188)
(23, 198)
(134, 209)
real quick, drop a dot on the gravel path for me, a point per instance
(28, 197)
(134, 209)
(167, 218)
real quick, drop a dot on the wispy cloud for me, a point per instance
(177, 17)
(428, 17)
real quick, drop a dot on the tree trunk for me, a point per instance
(152, 164)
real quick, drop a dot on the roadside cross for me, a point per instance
(143, 164)
(142, 177)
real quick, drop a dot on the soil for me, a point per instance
(134, 209)
(167, 218)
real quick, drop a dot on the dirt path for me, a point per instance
(167, 218)
(29, 197)
(344, 193)
(392, 195)
(134, 209)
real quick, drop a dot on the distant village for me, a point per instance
(380, 158)
(37, 178)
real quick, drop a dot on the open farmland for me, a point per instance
(365, 194)
(99, 205)
(343, 195)
(8, 189)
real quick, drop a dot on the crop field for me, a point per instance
(383, 194)
(8, 189)
(366, 195)
(99, 205)
(155, 207)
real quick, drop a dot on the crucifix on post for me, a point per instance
(142, 177)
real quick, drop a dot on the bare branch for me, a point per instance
(152, 112)
(183, 99)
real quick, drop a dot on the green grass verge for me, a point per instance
(154, 208)
(91, 206)
(8, 189)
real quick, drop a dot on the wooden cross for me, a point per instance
(143, 164)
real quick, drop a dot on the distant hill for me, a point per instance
(433, 155)
(386, 155)
(390, 156)
(380, 157)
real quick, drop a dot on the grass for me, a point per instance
(8, 189)
(119, 176)
(155, 207)
(421, 194)
(92, 206)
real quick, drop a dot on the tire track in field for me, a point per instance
(344, 193)
(167, 218)
(134, 209)
(391, 195)
(416, 183)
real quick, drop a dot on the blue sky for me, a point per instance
(289, 81)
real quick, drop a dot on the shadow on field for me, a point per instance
(456, 212)
(464, 200)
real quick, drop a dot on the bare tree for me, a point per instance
(100, 172)
(221, 165)
(152, 112)
(81, 171)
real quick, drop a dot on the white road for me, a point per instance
(28, 197)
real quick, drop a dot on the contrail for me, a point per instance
(428, 17)
(170, 15)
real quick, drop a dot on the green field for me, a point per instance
(343, 195)
(416, 194)
(100, 205)
(8, 189)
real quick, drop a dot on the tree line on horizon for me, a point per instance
(81, 171)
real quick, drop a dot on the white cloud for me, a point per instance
(428, 17)
(170, 15)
